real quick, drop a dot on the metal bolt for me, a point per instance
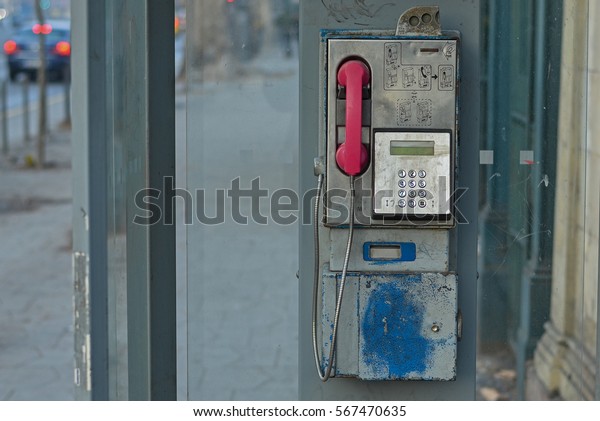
(435, 328)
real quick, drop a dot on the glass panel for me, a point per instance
(240, 169)
(537, 289)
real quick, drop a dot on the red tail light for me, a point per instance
(10, 47)
(63, 48)
(45, 29)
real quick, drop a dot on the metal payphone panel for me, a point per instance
(385, 286)
(411, 174)
(413, 89)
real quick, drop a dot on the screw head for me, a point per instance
(435, 328)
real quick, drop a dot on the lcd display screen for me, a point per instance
(412, 147)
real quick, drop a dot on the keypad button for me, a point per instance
(422, 173)
(411, 203)
(402, 193)
(412, 173)
(422, 193)
(412, 184)
(422, 203)
(422, 184)
(401, 173)
(402, 184)
(412, 194)
(402, 203)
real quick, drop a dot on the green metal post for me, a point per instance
(131, 114)
(90, 201)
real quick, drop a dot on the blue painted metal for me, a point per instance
(403, 325)
(393, 345)
(408, 252)
(408, 327)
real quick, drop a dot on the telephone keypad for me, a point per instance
(412, 185)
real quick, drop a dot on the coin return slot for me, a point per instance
(385, 252)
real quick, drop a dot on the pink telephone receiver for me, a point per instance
(352, 156)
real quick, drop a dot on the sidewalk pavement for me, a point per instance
(36, 316)
(242, 288)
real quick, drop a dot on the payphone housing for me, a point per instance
(409, 126)
(385, 286)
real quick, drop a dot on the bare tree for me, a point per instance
(41, 78)
(208, 35)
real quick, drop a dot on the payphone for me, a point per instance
(385, 294)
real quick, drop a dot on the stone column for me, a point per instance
(565, 356)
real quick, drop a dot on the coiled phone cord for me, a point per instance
(325, 376)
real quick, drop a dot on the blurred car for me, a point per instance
(23, 50)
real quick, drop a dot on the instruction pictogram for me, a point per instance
(446, 78)
(391, 65)
(414, 112)
(425, 77)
